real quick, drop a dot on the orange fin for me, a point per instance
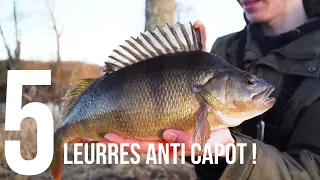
(56, 164)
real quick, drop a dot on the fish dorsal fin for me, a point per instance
(163, 40)
(72, 95)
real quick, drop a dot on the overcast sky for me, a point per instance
(93, 28)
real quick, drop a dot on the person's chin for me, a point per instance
(256, 18)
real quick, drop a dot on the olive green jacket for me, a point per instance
(299, 157)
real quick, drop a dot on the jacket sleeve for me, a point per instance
(300, 160)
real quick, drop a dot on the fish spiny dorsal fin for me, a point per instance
(72, 95)
(163, 40)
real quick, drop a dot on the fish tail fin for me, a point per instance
(56, 163)
(70, 99)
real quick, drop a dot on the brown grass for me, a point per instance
(70, 70)
(61, 76)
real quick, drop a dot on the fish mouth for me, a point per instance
(263, 99)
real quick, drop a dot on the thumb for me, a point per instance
(176, 136)
(199, 24)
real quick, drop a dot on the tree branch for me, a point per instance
(58, 34)
(18, 48)
(6, 44)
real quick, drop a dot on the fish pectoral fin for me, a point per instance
(202, 130)
(72, 95)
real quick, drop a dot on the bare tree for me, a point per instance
(10, 59)
(13, 61)
(159, 12)
(17, 32)
(55, 28)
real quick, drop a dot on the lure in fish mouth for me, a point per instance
(161, 80)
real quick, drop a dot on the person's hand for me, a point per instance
(199, 24)
(221, 136)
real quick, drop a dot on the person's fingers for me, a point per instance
(106, 142)
(199, 24)
(113, 138)
(176, 136)
(220, 136)
(144, 145)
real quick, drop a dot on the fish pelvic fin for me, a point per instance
(73, 94)
(161, 41)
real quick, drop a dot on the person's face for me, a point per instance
(259, 11)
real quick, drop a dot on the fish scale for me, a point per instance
(176, 94)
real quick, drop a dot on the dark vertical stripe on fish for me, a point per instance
(121, 99)
(157, 90)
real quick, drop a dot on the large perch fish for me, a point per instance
(160, 80)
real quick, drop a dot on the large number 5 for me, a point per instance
(38, 111)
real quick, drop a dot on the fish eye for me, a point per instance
(250, 80)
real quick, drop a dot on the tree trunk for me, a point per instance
(17, 51)
(159, 13)
(58, 46)
(55, 28)
(18, 43)
(10, 58)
